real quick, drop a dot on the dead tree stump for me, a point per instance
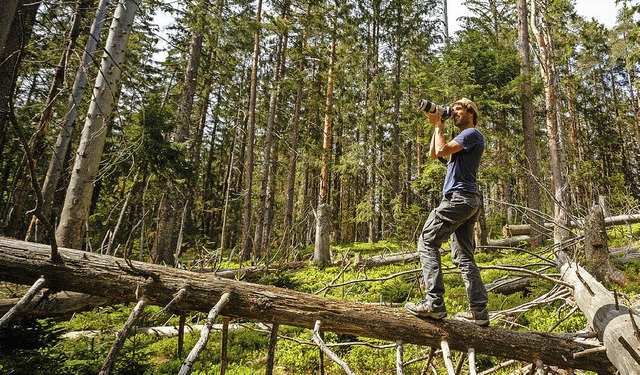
(596, 249)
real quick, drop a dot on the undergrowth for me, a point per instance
(41, 349)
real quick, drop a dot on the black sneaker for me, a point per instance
(424, 309)
(480, 318)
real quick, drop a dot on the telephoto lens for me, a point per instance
(431, 107)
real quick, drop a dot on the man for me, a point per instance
(455, 216)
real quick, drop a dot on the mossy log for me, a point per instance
(115, 278)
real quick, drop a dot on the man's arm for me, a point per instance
(439, 147)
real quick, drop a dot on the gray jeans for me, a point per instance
(455, 216)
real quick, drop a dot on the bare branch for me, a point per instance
(24, 301)
(204, 335)
(121, 336)
(318, 340)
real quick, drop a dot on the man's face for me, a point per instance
(460, 115)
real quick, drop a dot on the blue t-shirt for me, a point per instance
(462, 169)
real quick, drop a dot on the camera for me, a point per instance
(431, 107)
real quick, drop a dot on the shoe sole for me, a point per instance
(432, 315)
(481, 323)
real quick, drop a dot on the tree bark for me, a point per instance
(116, 278)
(59, 304)
(561, 232)
(597, 251)
(263, 225)
(56, 164)
(611, 321)
(6, 16)
(321, 253)
(75, 211)
(528, 127)
(19, 32)
(251, 134)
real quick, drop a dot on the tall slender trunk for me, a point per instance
(248, 177)
(178, 196)
(56, 164)
(397, 94)
(270, 139)
(321, 253)
(21, 24)
(6, 17)
(37, 141)
(371, 101)
(295, 135)
(227, 184)
(533, 192)
(75, 211)
(293, 160)
(562, 226)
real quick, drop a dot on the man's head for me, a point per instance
(470, 106)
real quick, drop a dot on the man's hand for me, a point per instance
(435, 119)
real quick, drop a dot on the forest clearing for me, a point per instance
(223, 186)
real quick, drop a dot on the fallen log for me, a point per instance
(509, 286)
(115, 278)
(160, 331)
(624, 255)
(509, 242)
(525, 229)
(59, 304)
(623, 251)
(615, 324)
(383, 260)
(633, 257)
(511, 230)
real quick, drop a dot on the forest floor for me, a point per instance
(41, 347)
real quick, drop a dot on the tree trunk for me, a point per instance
(251, 134)
(268, 169)
(6, 17)
(293, 149)
(21, 22)
(558, 165)
(178, 196)
(321, 253)
(37, 142)
(111, 277)
(611, 321)
(597, 251)
(528, 126)
(56, 165)
(75, 211)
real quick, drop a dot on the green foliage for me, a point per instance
(29, 347)
(397, 290)
(281, 279)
